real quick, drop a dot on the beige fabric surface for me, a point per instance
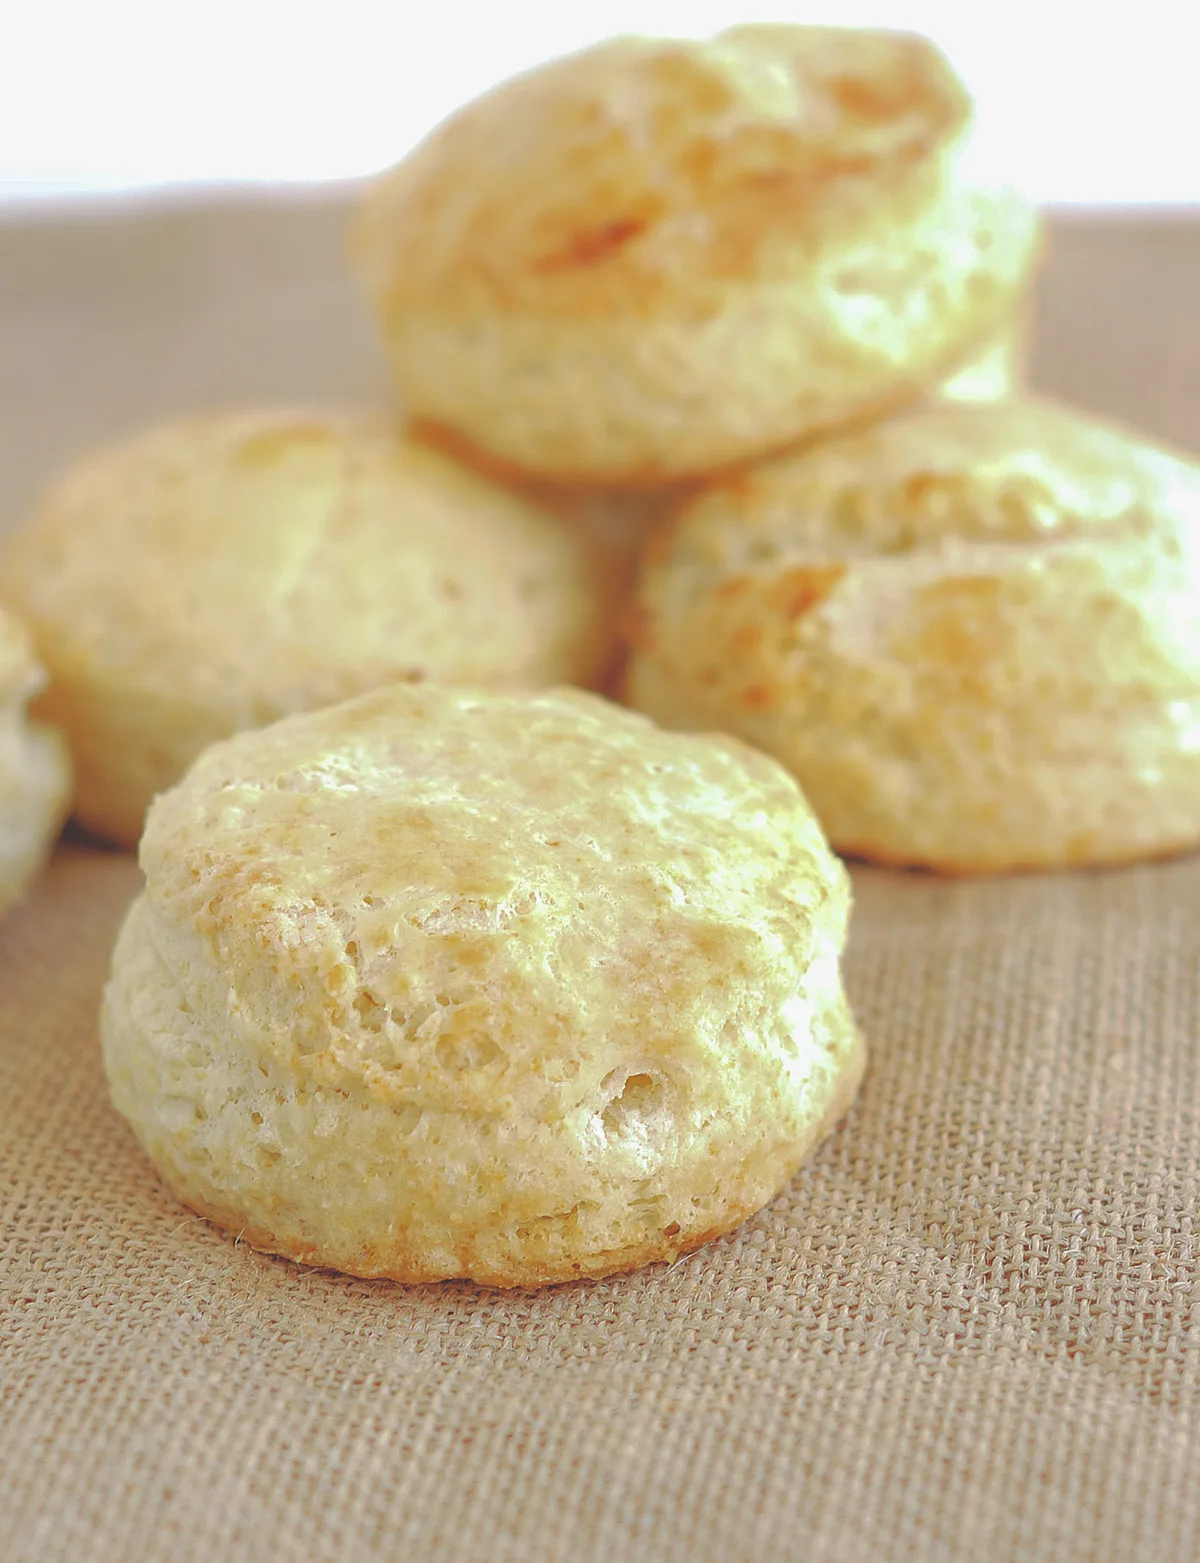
(970, 1328)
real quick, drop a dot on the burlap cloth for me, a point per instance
(968, 1330)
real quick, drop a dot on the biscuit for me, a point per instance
(970, 633)
(35, 774)
(219, 572)
(442, 983)
(654, 259)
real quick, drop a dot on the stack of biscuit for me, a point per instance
(709, 356)
(773, 274)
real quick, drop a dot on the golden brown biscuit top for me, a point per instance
(421, 871)
(1014, 472)
(290, 552)
(992, 547)
(591, 181)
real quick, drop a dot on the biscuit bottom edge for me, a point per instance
(599, 1265)
(174, 1083)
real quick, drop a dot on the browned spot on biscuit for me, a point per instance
(862, 97)
(920, 486)
(591, 246)
(806, 588)
(962, 629)
(759, 695)
(769, 179)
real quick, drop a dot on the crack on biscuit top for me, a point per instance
(638, 152)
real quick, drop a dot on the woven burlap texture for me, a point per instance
(967, 1330)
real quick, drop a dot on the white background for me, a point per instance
(1095, 102)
